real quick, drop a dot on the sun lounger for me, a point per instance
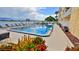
(7, 25)
(19, 24)
(23, 24)
(16, 24)
(0, 26)
(12, 25)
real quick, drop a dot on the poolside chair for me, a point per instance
(16, 24)
(7, 25)
(12, 25)
(23, 24)
(3, 26)
(0, 26)
(20, 24)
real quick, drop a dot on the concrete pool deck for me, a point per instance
(57, 41)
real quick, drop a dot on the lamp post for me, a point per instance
(56, 15)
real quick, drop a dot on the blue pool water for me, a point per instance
(41, 30)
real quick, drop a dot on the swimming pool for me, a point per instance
(38, 31)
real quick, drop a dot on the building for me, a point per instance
(69, 16)
(64, 15)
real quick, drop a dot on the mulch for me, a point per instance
(72, 38)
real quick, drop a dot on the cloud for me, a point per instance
(22, 13)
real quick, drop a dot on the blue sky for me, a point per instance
(34, 13)
(48, 10)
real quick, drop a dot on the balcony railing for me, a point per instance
(68, 12)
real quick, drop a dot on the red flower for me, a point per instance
(41, 47)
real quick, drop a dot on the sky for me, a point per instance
(34, 13)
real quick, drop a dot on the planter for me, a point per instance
(26, 44)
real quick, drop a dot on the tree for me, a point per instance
(50, 18)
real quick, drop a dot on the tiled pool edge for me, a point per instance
(47, 35)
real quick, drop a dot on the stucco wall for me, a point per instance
(74, 22)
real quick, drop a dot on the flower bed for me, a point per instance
(72, 49)
(26, 44)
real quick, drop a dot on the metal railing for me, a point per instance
(68, 12)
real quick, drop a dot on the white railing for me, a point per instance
(68, 12)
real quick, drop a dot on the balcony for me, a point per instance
(67, 12)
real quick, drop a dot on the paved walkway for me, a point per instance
(58, 40)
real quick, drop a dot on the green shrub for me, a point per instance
(38, 40)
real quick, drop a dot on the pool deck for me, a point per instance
(57, 41)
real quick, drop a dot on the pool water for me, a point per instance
(39, 31)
